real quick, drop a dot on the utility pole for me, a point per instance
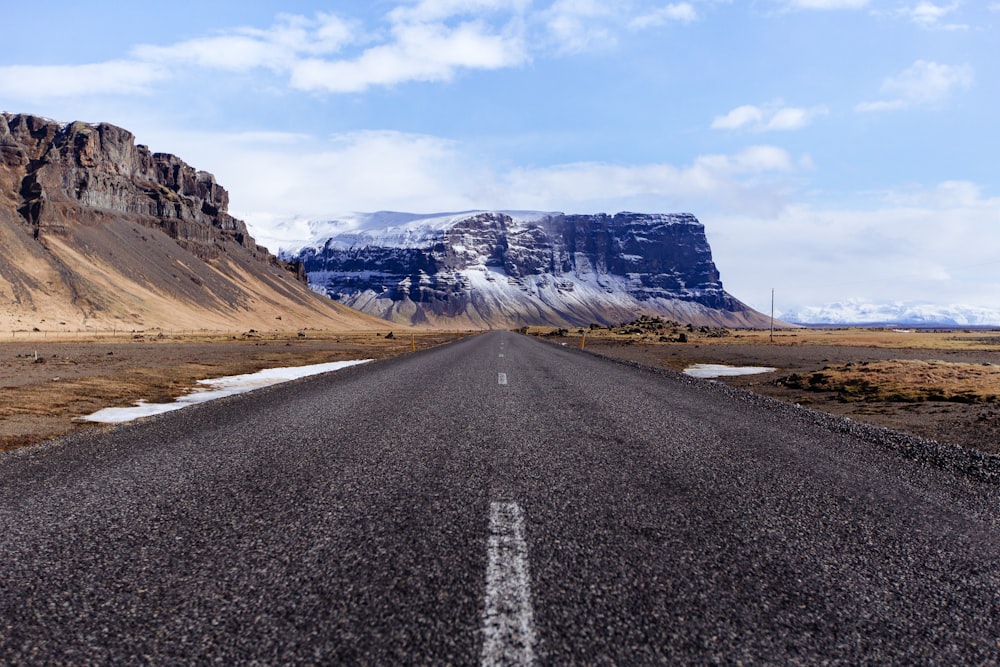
(772, 316)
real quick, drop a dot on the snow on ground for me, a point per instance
(385, 229)
(721, 370)
(217, 388)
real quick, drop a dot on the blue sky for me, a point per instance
(839, 151)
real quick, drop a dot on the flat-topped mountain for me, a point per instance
(98, 232)
(502, 269)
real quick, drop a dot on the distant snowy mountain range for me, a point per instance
(515, 268)
(500, 268)
(904, 313)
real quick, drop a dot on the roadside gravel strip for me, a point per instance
(966, 462)
(498, 500)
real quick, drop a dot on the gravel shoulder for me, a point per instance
(972, 424)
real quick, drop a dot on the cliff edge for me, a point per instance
(99, 232)
(506, 269)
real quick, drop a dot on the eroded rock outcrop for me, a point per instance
(66, 173)
(491, 268)
(97, 231)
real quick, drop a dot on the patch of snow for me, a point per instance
(398, 229)
(528, 217)
(217, 388)
(588, 292)
(386, 228)
(721, 370)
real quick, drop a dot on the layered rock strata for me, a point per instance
(501, 269)
(98, 231)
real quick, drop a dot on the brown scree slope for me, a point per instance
(97, 233)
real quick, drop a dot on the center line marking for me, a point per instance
(502, 378)
(508, 621)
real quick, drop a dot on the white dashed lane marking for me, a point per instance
(508, 621)
(502, 378)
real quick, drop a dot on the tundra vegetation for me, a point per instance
(939, 384)
(78, 374)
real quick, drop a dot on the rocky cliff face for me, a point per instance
(499, 269)
(58, 175)
(98, 231)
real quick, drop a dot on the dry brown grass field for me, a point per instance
(77, 374)
(943, 385)
(940, 384)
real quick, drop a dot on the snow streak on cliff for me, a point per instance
(501, 269)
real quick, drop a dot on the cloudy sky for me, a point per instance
(838, 151)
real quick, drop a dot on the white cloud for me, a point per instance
(244, 49)
(767, 119)
(727, 180)
(682, 12)
(595, 25)
(922, 84)
(45, 82)
(357, 171)
(426, 41)
(386, 170)
(755, 159)
(916, 244)
(419, 49)
(912, 244)
(438, 10)
(741, 181)
(420, 52)
(306, 51)
(929, 15)
(826, 4)
(908, 244)
(739, 117)
(579, 25)
(946, 195)
(792, 118)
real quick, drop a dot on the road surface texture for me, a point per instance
(498, 500)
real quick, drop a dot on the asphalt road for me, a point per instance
(494, 500)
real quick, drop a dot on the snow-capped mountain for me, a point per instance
(907, 313)
(512, 268)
